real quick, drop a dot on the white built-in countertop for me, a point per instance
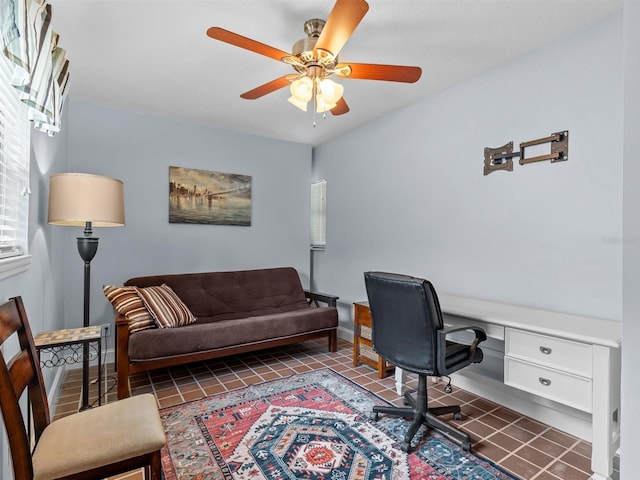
(572, 327)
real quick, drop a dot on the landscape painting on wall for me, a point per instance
(213, 198)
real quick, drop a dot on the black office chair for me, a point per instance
(407, 331)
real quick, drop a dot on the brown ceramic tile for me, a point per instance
(167, 392)
(531, 425)
(194, 395)
(535, 456)
(576, 460)
(583, 448)
(469, 411)
(548, 447)
(520, 467)
(546, 476)
(510, 444)
(170, 401)
(518, 433)
(214, 389)
(484, 405)
(506, 414)
(490, 450)
(493, 421)
(479, 429)
(567, 472)
(234, 384)
(560, 438)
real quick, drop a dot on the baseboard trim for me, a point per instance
(53, 392)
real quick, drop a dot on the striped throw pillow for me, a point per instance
(127, 302)
(165, 306)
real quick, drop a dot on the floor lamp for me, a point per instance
(84, 200)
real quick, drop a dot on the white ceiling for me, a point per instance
(154, 55)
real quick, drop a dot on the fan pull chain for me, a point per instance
(315, 102)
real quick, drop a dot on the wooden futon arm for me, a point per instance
(330, 300)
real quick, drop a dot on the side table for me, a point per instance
(362, 341)
(70, 346)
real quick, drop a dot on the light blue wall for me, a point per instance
(138, 149)
(407, 193)
(41, 286)
(630, 440)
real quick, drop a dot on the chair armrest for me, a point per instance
(330, 300)
(122, 356)
(480, 336)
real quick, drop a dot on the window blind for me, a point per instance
(319, 215)
(14, 168)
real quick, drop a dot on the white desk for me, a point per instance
(569, 359)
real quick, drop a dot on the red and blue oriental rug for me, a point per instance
(312, 426)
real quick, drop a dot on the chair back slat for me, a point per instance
(16, 375)
(21, 372)
(10, 321)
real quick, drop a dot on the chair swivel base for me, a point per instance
(428, 417)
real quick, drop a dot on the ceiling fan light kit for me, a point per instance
(315, 58)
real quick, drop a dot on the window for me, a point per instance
(14, 177)
(319, 215)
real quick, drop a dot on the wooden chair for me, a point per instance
(95, 443)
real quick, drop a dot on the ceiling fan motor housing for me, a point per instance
(304, 48)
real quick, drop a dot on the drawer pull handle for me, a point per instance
(544, 381)
(545, 350)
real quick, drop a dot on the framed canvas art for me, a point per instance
(212, 198)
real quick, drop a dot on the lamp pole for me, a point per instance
(87, 248)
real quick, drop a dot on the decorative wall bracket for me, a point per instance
(501, 158)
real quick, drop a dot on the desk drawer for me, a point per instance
(561, 387)
(556, 353)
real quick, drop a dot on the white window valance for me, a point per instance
(41, 69)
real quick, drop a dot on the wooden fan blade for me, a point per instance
(223, 35)
(372, 71)
(268, 87)
(342, 21)
(341, 107)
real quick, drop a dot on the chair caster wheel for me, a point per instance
(373, 416)
(405, 446)
(457, 416)
(448, 389)
(466, 446)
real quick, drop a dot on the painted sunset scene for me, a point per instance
(205, 197)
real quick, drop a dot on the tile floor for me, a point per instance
(518, 444)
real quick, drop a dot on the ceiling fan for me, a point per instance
(315, 59)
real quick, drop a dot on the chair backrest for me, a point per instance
(405, 316)
(20, 373)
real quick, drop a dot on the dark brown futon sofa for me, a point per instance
(235, 312)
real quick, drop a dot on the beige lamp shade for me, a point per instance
(77, 198)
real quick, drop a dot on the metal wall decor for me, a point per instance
(501, 158)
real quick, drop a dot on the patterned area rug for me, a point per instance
(309, 426)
